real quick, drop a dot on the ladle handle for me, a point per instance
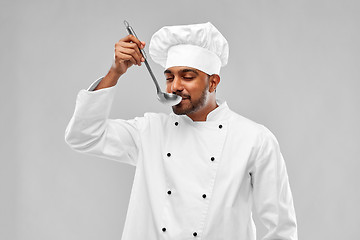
(132, 32)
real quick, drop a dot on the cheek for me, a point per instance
(194, 90)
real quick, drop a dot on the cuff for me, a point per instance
(91, 103)
(94, 84)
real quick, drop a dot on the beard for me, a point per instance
(189, 105)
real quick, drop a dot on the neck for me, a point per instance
(202, 114)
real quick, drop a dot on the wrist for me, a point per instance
(114, 72)
(109, 80)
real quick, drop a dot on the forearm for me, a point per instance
(109, 80)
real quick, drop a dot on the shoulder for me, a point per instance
(245, 124)
(144, 122)
(250, 128)
(157, 120)
(154, 117)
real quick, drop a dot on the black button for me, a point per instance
(212, 158)
(169, 192)
(168, 154)
(164, 229)
(195, 234)
(176, 123)
(220, 126)
(204, 195)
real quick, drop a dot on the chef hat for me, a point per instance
(199, 46)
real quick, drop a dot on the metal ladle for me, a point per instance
(165, 98)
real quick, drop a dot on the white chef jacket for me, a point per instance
(193, 180)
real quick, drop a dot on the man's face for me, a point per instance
(189, 83)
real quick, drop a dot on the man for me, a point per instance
(200, 169)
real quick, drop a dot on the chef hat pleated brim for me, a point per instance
(199, 46)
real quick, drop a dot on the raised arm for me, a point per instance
(89, 130)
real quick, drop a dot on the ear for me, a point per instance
(214, 80)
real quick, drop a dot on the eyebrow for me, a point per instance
(183, 71)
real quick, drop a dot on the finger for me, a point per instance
(122, 48)
(131, 38)
(125, 43)
(132, 52)
(122, 56)
(132, 46)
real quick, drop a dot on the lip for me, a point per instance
(182, 96)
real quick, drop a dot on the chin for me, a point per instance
(178, 110)
(182, 109)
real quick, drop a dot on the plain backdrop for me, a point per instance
(294, 67)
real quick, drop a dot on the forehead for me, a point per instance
(180, 69)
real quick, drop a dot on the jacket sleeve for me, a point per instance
(271, 191)
(90, 131)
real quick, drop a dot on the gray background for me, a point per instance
(293, 66)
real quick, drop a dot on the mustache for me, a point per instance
(183, 95)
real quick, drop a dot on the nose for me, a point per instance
(176, 85)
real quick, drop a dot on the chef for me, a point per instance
(202, 168)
